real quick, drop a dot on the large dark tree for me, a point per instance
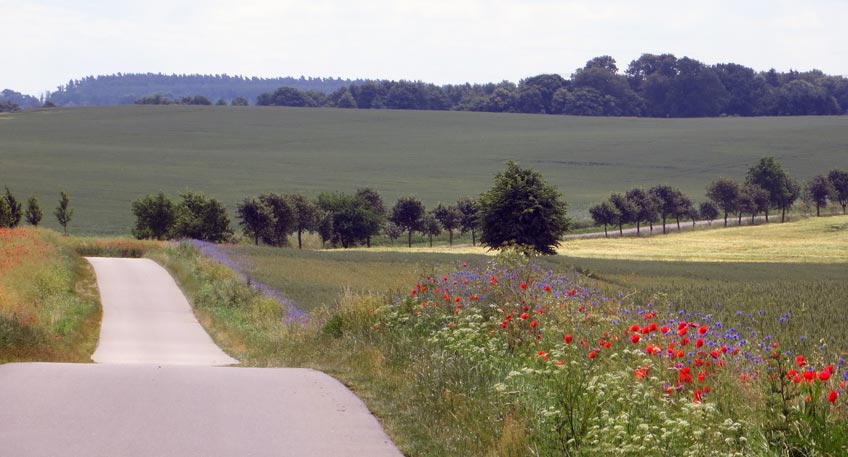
(408, 214)
(725, 194)
(470, 219)
(522, 209)
(790, 192)
(839, 181)
(256, 218)
(154, 217)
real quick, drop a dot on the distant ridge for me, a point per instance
(126, 88)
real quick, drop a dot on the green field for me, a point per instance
(106, 157)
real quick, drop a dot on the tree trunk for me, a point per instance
(783, 214)
(818, 214)
(620, 230)
(256, 239)
(753, 215)
(767, 215)
(450, 237)
(637, 228)
(725, 218)
(678, 223)
(368, 241)
(606, 235)
(664, 230)
(431, 240)
(652, 226)
(740, 218)
(473, 239)
(409, 239)
(299, 242)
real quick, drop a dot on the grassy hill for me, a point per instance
(106, 157)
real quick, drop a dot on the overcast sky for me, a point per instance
(45, 43)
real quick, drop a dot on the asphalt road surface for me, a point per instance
(156, 391)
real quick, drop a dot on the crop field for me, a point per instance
(106, 157)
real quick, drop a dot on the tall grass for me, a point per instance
(49, 305)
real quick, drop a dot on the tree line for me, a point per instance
(651, 86)
(766, 187)
(521, 209)
(126, 88)
(12, 212)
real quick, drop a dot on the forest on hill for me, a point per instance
(650, 86)
(127, 88)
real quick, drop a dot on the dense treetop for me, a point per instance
(650, 86)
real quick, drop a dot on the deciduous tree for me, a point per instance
(63, 212)
(470, 220)
(839, 181)
(449, 217)
(15, 209)
(524, 210)
(408, 214)
(255, 217)
(725, 194)
(605, 214)
(820, 189)
(154, 217)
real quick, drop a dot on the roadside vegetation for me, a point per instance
(49, 305)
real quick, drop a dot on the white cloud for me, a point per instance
(47, 42)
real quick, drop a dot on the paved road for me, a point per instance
(147, 319)
(151, 396)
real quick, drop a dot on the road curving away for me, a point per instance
(156, 390)
(147, 319)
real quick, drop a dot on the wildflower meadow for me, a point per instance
(594, 375)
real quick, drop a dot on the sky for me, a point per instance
(45, 43)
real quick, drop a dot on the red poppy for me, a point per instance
(559, 362)
(702, 329)
(534, 324)
(809, 375)
(641, 373)
(800, 361)
(684, 341)
(524, 316)
(791, 373)
(568, 339)
(665, 329)
(824, 375)
(572, 292)
(547, 288)
(831, 397)
(593, 354)
(523, 286)
(635, 338)
(698, 396)
(634, 328)
(699, 343)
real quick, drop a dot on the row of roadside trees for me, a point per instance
(766, 187)
(521, 210)
(12, 212)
